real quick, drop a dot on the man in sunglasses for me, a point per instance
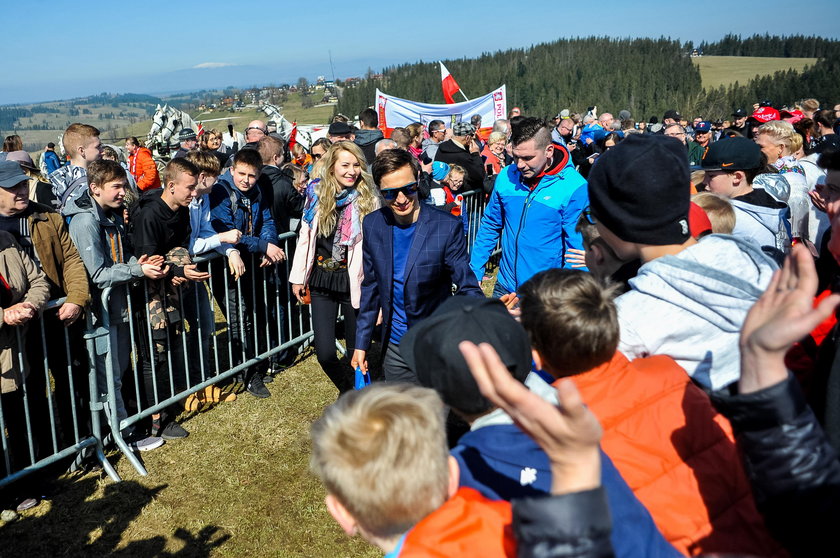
(412, 254)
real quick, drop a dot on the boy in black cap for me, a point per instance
(741, 125)
(496, 457)
(731, 165)
(691, 304)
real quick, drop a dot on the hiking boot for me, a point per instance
(174, 431)
(256, 387)
(148, 443)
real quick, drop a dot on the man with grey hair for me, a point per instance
(255, 131)
(462, 150)
(384, 144)
(502, 125)
(606, 121)
(694, 151)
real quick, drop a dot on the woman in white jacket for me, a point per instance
(779, 142)
(327, 266)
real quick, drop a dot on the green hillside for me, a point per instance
(726, 70)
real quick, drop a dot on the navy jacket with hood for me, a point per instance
(231, 209)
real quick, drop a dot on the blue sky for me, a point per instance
(58, 50)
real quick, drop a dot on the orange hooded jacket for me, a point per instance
(142, 166)
(677, 454)
(468, 524)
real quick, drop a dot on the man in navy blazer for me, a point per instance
(412, 255)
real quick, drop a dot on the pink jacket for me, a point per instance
(305, 259)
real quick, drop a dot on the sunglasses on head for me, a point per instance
(408, 190)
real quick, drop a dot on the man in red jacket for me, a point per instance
(141, 165)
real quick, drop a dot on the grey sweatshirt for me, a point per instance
(691, 306)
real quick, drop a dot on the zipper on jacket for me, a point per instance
(528, 199)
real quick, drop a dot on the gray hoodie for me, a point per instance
(691, 306)
(99, 238)
(767, 226)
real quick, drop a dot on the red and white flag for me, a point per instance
(450, 86)
(293, 136)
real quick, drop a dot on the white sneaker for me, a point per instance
(148, 443)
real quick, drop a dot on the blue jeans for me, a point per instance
(499, 291)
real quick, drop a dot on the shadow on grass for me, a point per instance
(81, 523)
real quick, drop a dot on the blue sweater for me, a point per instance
(537, 226)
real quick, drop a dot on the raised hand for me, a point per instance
(783, 315)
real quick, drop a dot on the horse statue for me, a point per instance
(306, 133)
(166, 123)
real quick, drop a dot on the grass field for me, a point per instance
(238, 486)
(725, 70)
(292, 110)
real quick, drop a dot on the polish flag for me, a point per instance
(450, 86)
(293, 136)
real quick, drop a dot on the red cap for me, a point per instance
(792, 116)
(698, 221)
(766, 114)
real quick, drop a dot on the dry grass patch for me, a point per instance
(238, 486)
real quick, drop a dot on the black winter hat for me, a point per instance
(430, 348)
(639, 190)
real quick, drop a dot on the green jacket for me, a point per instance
(695, 153)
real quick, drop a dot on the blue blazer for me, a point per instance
(437, 259)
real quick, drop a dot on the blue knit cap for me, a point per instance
(439, 170)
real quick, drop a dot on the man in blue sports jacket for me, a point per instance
(412, 254)
(534, 207)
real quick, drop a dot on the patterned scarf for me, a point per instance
(788, 163)
(348, 230)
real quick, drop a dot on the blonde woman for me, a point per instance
(328, 260)
(493, 152)
(779, 142)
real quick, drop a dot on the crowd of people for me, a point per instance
(662, 274)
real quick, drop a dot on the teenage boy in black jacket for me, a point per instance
(162, 227)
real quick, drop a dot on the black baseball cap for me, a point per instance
(430, 348)
(739, 113)
(731, 154)
(675, 115)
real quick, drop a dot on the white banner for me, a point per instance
(395, 112)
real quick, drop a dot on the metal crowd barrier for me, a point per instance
(473, 209)
(53, 416)
(69, 408)
(260, 317)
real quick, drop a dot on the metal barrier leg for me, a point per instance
(112, 414)
(96, 406)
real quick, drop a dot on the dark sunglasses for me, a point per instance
(587, 213)
(408, 190)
